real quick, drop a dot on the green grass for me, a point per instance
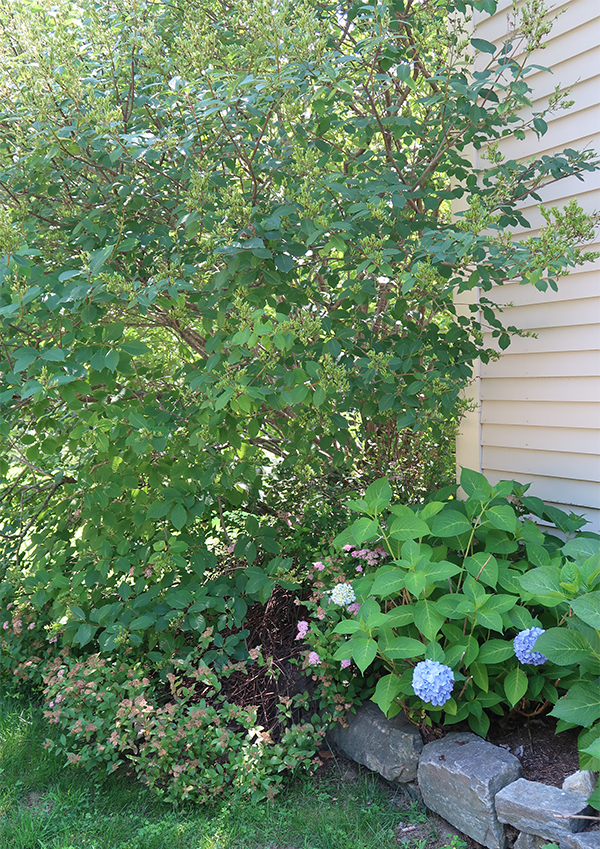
(44, 805)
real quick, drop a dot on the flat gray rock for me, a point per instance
(581, 840)
(529, 841)
(540, 809)
(583, 781)
(459, 776)
(390, 747)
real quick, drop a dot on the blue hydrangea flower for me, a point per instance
(524, 643)
(432, 681)
(343, 594)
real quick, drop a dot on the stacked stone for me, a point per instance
(477, 787)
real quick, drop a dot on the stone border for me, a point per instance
(477, 787)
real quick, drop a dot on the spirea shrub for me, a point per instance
(183, 740)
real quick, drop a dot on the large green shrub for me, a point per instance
(227, 277)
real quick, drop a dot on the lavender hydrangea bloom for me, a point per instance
(524, 643)
(432, 681)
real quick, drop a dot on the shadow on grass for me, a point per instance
(47, 805)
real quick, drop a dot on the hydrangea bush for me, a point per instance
(472, 608)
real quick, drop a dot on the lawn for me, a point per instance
(45, 805)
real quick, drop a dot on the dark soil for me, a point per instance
(545, 756)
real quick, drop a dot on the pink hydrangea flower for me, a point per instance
(319, 565)
(302, 629)
(359, 568)
(354, 607)
(348, 547)
(314, 659)
(346, 664)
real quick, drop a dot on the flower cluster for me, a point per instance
(302, 629)
(523, 646)
(433, 681)
(371, 556)
(343, 594)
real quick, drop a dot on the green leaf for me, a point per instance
(399, 616)
(135, 348)
(23, 358)
(475, 485)
(143, 622)
(344, 652)
(544, 583)
(480, 675)
(594, 799)
(363, 653)
(489, 619)
(77, 613)
(159, 509)
(593, 749)
(587, 607)
(364, 529)
(388, 583)
(479, 724)
(53, 355)
(428, 619)
(403, 648)
(515, 685)
(98, 258)
(178, 516)
(378, 495)
(496, 651)
(319, 396)
(563, 646)
(257, 579)
(483, 46)
(111, 360)
(450, 523)
(441, 570)
(347, 626)
(520, 618)
(581, 548)
(386, 691)
(483, 567)
(84, 634)
(284, 263)
(415, 583)
(589, 754)
(405, 525)
(502, 517)
(581, 705)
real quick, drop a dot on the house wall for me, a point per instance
(538, 407)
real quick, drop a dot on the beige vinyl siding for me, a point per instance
(538, 419)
